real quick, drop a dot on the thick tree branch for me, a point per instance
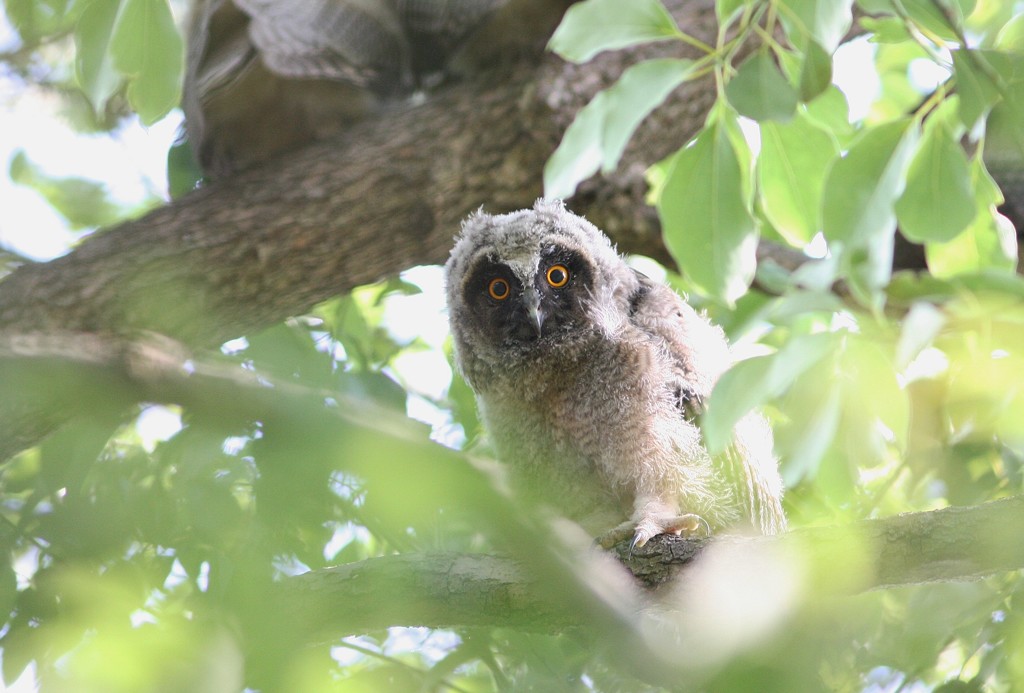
(447, 589)
(387, 194)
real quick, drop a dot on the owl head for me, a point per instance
(532, 279)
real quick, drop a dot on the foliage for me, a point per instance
(143, 550)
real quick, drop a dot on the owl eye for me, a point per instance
(558, 276)
(498, 289)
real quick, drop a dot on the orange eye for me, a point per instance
(558, 276)
(499, 289)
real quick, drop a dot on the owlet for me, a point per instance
(591, 378)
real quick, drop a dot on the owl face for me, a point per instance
(542, 296)
(527, 280)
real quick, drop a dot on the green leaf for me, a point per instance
(728, 10)
(183, 173)
(94, 66)
(704, 207)
(978, 92)
(988, 242)
(754, 381)
(19, 649)
(759, 91)
(36, 19)
(8, 585)
(823, 21)
(1011, 37)
(812, 407)
(945, 18)
(1004, 130)
(859, 218)
(598, 25)
(601, 130)
(831, 112)
(885, 29)
(938, 202)
(920, 326)
(147, 48)
(815, 72)
(862, 187)
(871, 395)
(791, 169)
(84, 203)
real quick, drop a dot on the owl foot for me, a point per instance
(651, 526)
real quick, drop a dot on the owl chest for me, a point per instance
(574, 410)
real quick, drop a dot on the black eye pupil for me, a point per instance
(557, 276)
(499, 288)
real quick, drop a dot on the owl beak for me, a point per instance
(533, 309)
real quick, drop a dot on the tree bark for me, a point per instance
(447, 589)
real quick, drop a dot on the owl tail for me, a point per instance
(753, 469)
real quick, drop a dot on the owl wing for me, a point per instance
(699, 351)
(700, 354)
(354, 41)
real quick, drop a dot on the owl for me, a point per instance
(591, 378)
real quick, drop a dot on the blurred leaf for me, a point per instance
(1011, 37)
(944, 18)
(825, 22)
(147, 48)
(8, 585)
(815, 72)
(84, 203)
(752, 382)
(183, 173)
(601, 130)
(812, 408)
(938, 202)
(988, 242)
(921, 325)
(791, 169)
(37, 19)
(862, 187)
(831, 112)
(704, 206)
(373, 386)
(288, 350)
(1004, 130)
(858, 205)
(978, 92)
(885, 29)
(67, 455)
(759, 91)
(94, 66)
(19, 649)
(871, 389)
(598, 25)
(728, 10)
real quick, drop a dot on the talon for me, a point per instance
(639, 539)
